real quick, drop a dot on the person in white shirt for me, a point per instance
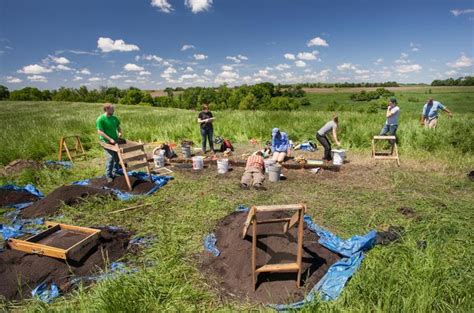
(392, 114)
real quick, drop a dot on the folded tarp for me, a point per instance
(159, 182)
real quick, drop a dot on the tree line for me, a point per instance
(264, 96)
(461, 81)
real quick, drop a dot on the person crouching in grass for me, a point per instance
(321, 136)
(108, 128)
(254, 172)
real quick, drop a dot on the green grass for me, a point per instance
(398, 277)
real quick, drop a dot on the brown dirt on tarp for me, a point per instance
(230, 273)
(68, 195)
(20, 272)
(16, 166)
(138, 186)
(11, 197)
(63, 238)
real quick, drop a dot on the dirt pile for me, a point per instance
(17, 166)
(69, 195)
(231, 273)
(20, 272)
(11, 197)
(138, 186)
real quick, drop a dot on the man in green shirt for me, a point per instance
(108, 128)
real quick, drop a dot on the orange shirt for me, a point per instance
(255, 161)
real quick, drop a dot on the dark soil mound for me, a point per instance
(471, 175)
(138, 186)
(392, 234)
(408, 212)
(20, 272)
(11, 197)
(17, 166)
(231, 271)
(69, 195)
(63, 238)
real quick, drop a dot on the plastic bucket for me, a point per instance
(274, 172)
(186, 151)
(268, 163)
(222, 166)
(198, 163)
(338, 156)
(159, 160)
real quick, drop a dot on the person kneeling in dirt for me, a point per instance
(254, 172)
(108, 128)
(330, 126)
(280, 145)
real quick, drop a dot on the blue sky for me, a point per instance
(153, 44)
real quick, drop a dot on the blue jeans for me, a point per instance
(207, 133)
(112, 163)
(389, 129)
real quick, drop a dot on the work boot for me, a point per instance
(244, 186)
(109, 179)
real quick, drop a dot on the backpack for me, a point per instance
(226, 145)
(169, 152)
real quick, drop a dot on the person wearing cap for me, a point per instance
(429, 116)
(108, 128)
(280, 145)
(205, 119)
(254, 172)
(392, 114)
(321, 136)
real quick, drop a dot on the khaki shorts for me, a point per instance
(431, 123)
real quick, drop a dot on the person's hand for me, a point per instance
(120, 135)
(450, 115)
(338, 143)
(112, 142)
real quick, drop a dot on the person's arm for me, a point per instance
(119, 131)
(445, 109)
(334, 136)
(111, 141)
(423, 115)
(389, 112)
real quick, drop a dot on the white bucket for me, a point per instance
(338, 156)
(268, 163)
(274, 172)
(198, 163)
(159, 160)
(186, 151)
(222, 166)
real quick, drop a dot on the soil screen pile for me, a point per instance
(231, 271)
(12, 197)
(138, 186)
(69, 195)
(20, 272)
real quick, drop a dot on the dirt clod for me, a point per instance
(19, 165)
(392, 234)
(11, 197)
(68, 195)
(21, 272)
(230, 273)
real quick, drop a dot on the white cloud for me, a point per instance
(163, 5)
(144, 73)
(282, 67)
(197, 6)
(462, 61)
(61, 67)
(187, 47)
(408, 68)
(378, 61)
(60, 60)
(242, 57)
(227, 68)
(317, 41)
(94, 79)
(168, 72)
(13, 80)
(188, 76)
(34, 69)
(189, 69)
(452, 73)
(117, 76)
(289, 56)
(130, 67)
(361, 72)
(200, 57)
(235, 59)
(226, 77)
(208, 72)
(323, 75)
(130, 81)
(415, 47)
(300, 63)
(264, 74)
(84, 71)
(109, 45)
(37, 78)
(459, 12)
(77, 78)
(308, 56)
(346, 67)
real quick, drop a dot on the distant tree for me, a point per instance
(27, 94)
(4, 93)
(249, 102)
(147, 98)
(169, 92)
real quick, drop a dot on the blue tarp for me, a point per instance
(45, 292)
(116, 268)
(66, 164)
(28, 188)
(331, 285)
(159, 182)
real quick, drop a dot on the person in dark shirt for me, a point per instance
(205, 119)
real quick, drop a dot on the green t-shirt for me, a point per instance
(109, 125)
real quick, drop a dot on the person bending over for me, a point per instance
(321, 136)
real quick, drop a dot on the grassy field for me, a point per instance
(362, 196)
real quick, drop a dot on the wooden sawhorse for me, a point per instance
(297, 217)
(78, 148)
(393, 155)
(128, 153)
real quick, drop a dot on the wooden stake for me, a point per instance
(130, 208)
